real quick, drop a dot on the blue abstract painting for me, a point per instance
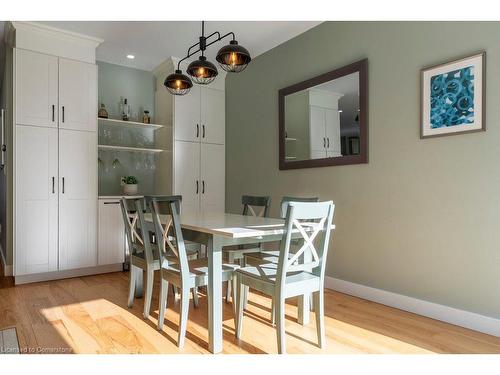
(452, 98)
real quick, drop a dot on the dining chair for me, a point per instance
(183, 273)
(266, 256)
(252, 206)
(144, 256)
(287, 278)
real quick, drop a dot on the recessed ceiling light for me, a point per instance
(131, 57)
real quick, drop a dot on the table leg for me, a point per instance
(139, 282)
(214, 254)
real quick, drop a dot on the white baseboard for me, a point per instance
(57, 275)
(462, 318)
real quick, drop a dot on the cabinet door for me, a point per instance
(213, 116)
(332, 125)
(213, 171)
(317, 132)
(77, 199)
(187, 124)
(36, 217)
(111, 233)
(77, 95)
(36, 89)
(187, 175)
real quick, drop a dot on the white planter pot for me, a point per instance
(129, 189)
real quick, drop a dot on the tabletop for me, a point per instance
(229, 225)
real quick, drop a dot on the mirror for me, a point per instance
(324, 121)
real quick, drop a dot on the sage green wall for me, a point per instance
(136, 85)
(422, 218)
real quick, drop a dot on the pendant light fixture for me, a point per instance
(231, 58)
(178, 83)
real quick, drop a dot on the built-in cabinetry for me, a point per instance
(111, 237)
(54, 142)
(324, 124)
(198, 120)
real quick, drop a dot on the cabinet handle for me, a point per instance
(328, 140)
(324, 142)
(63, 114)
(53, 113)
(203, 187)
(63, 185)
(111, 202)
(197, 186)
(53, 185)
(197, 130)
(203, 126)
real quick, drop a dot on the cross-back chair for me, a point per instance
(183, 273)
(310, 221)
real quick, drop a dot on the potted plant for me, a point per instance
(129, 184)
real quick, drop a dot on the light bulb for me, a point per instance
(233, 58)
(178, 84)
(201, 71)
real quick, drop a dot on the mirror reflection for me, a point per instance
(323, 121)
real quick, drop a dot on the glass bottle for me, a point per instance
(145, 118)
(125, 110)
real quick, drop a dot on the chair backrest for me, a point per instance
(168, 232)
(249, 202)
(133, 218)
(310, 221)
(287, 199)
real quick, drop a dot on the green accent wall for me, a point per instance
(422, 218)
(136, 85)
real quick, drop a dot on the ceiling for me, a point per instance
(151, 42)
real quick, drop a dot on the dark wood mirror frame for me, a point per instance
(359, 66)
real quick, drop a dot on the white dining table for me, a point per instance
(215, 231)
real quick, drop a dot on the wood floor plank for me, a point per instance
(89, 315)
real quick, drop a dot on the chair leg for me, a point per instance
(280, 323)
(245, 297)
(163, 302)
(228, 291)
(183, 316)
(234, 288)
(311, 302)
(150, 274)
(131, 288)
(273, 312)
(196, 300)
(239, 307)
(320, 317)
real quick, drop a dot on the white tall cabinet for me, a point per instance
(324, 124)
(198, 123)
(54, 142)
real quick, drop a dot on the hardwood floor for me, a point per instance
(89, 315)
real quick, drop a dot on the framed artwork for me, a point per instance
(453, 97)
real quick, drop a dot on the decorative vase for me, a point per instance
(102, 112)
(130, 189)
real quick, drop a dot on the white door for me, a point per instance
(187, 124)
(187, 175)
(77, 95)
(213, 171)
(111, 233)
(77, 199)
(36, 192)
(212, 116)
(332, 124)
(317, 132)
(36, 89)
